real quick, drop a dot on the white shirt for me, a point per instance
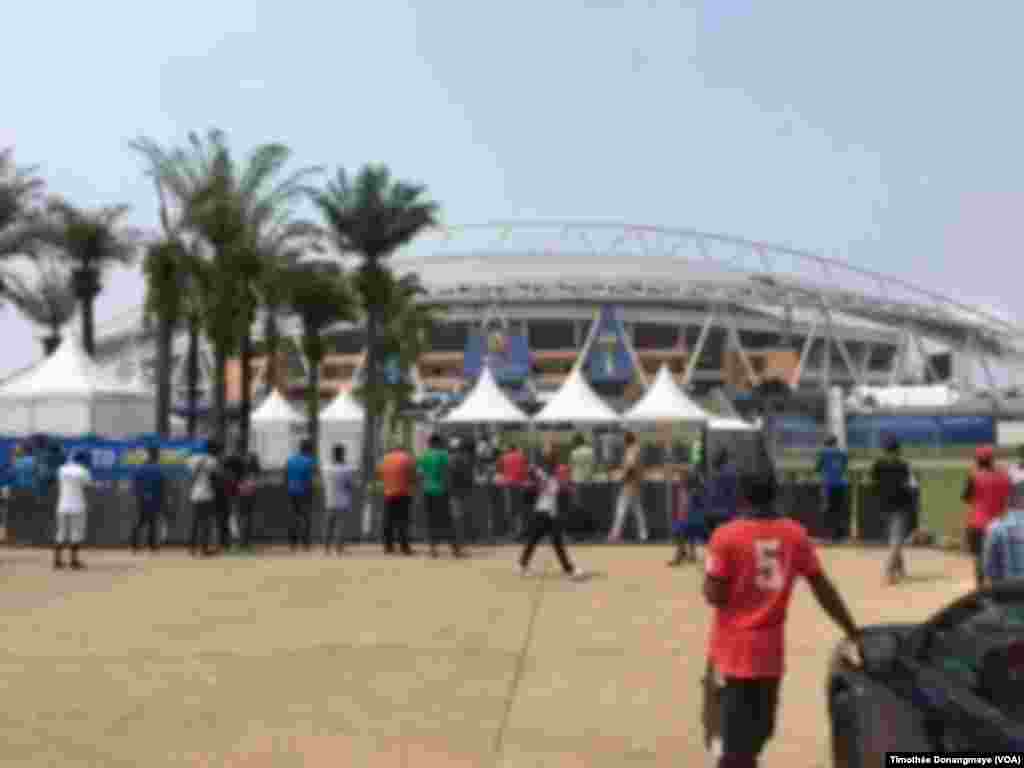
(73, 479)
(338, 483)
(202, 467)
(547, 493)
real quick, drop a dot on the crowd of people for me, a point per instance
(753, 553)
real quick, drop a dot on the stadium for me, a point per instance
(726, 314)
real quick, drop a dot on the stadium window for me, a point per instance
(759, 340)
(449, 337)
(881, 358)
(655, 336)
(551, 334)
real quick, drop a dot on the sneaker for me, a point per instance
(58, 565)
(77, 566)
(578, 575)
(524, 570)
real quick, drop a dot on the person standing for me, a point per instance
(72, 507)
(687, 523)
(545, 520)
(514, 470)
(339, 479)
(987, 493)
(300, 471)
(149, 495)
(893, 482)
(751, 568)
(248, 481)
(1003, 550)
(204, 469)
(582, 463)
(833, 464)
(397, 473)
(433, 467)
(462, 484)
(630, 495)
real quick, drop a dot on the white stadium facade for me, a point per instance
(720, 311)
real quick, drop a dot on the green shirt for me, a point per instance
(581, 460)
(433, 468)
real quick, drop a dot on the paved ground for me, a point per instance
(304, 661)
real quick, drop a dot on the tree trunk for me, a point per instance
(165, 338)
(372, 385)
(193, 375)
(50, 343)
(313, 405)
(87, 288)
(272, 350)
(88, 341)
(245, 404)
(220, 394)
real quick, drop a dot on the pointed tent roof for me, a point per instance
(576, 402)
(344, 409)
(276, 410)
(68, 372)
(486, 404)
(665, 401)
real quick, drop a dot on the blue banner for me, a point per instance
(608, 359)
(507, 355)
(109, 460)
(868, 431)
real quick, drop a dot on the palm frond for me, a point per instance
(47, 300)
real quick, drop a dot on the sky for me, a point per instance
(885, 134)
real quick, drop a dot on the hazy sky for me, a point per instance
(884, 133)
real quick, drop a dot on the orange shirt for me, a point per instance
(396, 471)
(760, 558)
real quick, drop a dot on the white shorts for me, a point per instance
(70, 527)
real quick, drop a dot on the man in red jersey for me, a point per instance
(988, 494)
(751, 567)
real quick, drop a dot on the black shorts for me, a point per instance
(742, 712)
(975, 541)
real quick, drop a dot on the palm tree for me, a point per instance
(48, 300)
(90, 241)
(372, 217)
(20, 191)
(225, 204)
(320, 297)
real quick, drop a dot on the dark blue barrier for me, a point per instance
(871, 431)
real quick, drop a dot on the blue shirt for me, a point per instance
(1003, 555)
(299, 474)
(149, 485)
(832, 465)
(25, 473)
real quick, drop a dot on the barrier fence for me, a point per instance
(491, 513)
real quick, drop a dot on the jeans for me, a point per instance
(439, 521)
(897, 535)
(149, 518)
(335, 523)
(543, 525)
(629, 502)
(459, 505)
(203, 513)
(302, 521)
(837, 512)
(396, 523)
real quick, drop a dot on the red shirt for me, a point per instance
(992, 489)
(760, 559)
(514, 468)
(396, 472)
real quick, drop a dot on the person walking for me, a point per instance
(582, 463)
(72, 509)
(833, 464)
(339, 479)
(630, 495)
(893, 482)
(397, 473)
(204, 469)
(248, 482)
(462, 475)
(300, 470)
(987, 493)
(752, 566)
(545, 520)
(433, 468)
(149, 495)
(687, 520)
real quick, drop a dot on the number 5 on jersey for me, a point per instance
(769, 565)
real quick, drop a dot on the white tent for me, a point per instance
(717, 424)
(486, 404)
(665, 401)
(276, 429)
(341, 423)
(576, 403)
(68, 394)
